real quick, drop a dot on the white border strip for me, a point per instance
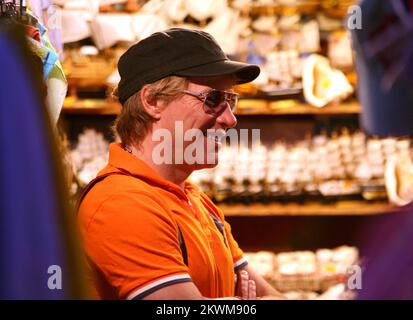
(157, 283)
(240, 262)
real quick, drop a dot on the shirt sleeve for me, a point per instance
(133, 240)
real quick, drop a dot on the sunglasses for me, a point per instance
(215, 101)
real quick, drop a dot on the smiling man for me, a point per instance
(148, 232)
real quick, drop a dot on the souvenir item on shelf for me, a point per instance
(301, 295)
(340, 52)
(345, 166)
(265, 24)
(399, 180)
(113, 79)
(176, 10)
(262, 262)
(201, 10)
(323, 84)
(108, 29)
(153, 7)
(89, 156)
(241, 4)
(226, 29)
(293, 263)
(143, 25)
(336, 9)
(284, 72)
(334, 265)
(263, 43)
(309, 37)
(75, 25)
(296, 271)
(307, 274)
(328, 24)
(289, 22)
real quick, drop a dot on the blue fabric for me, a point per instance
(49, 63)
(30, 239)
(48, 56)
(384, 111)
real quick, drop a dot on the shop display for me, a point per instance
(399, 180)
(336, 167)
(89, 156)
(322, 84)
(279, 41)
(324, 168)
(40, 45)
(307, 275)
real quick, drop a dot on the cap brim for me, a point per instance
(244, 72)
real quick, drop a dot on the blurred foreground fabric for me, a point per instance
(35, 224)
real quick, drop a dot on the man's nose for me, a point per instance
(227, 118)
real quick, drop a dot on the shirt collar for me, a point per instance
(121, 160)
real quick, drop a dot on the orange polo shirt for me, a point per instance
(129, 227)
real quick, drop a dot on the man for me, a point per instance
(147, 231)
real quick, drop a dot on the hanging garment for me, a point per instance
(56, 92)
(50, 16)
(53, 75)
(49, 57)
(38, 7)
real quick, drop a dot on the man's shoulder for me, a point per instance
(122, 198)
(122, 190)
(112, 181)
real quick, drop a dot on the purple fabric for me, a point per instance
(30, 234)
(38, 6)
(387, 102)
(388, 257)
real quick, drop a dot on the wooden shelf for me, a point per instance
(291, 107)
(246, 107)
(344, 208)
(91, 107)
(303, 7)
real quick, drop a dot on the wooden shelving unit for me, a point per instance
(246, 107)
(91, 107)
(266, 107)
(337, 9)
(344, 208)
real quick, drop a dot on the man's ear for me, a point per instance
(151, 105)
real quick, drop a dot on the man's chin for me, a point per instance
(206, 164)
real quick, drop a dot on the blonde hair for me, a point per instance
(133, 123)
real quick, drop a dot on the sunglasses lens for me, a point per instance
(215, 100)
(232, 99)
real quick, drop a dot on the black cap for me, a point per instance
(178, 52)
